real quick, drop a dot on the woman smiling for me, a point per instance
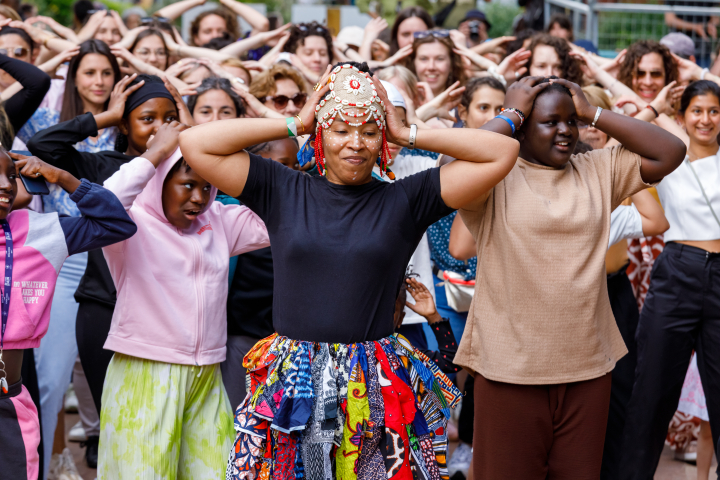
(541, 335)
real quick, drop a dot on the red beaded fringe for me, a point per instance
(319, 154)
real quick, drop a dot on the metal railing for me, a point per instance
(613, 26)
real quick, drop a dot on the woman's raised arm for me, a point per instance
(483, 158)
(662, 151)
(216, 150)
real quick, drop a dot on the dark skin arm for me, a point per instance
(34, 167)
(662, 151)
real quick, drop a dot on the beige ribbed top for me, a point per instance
(540, 313)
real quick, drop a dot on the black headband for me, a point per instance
(147, 92)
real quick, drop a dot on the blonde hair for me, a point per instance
(264, 84)
(8, 12)
(195, 66)
(235, 63)
(405, 75)
(597, 97)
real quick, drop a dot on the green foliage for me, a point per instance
(62, 10)
(501, 18)
(618, 30)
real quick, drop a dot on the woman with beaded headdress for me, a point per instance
(334, 393)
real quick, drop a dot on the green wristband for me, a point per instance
(292, 127)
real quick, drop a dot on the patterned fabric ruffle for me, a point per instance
(325, 411)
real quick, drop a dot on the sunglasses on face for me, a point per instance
(158, 53)
(318, 29)
(150, 20)
(281, 101)
(434, 33)
(14, 52)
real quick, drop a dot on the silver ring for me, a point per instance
(37, 174)
(517, 75)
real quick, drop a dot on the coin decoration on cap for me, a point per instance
(350, 89)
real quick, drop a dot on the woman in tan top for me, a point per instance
(541, 335)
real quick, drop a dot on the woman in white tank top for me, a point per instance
(682, 308)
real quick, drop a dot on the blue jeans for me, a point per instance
(55, 357)
(457, 319)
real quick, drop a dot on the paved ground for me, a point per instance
(669, 469)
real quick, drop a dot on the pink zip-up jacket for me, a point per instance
(41, 243)
(172, 284)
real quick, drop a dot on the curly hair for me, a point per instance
(264, 84)
(569, 66)
(299, 32)
(457, 71)
(628, 69)
(231, 23)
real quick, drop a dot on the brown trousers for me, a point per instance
(529, 432)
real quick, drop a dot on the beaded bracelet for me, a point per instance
(510, 122)
(517, 112)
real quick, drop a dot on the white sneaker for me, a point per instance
(77, 433)
(460, 460)
(71, 401)
(62, 467)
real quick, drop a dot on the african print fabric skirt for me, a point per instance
(329, 411)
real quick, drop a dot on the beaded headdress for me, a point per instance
(350, 89)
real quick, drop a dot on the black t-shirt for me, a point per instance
(250, 297)
(339, 251)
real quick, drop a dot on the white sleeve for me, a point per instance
(130, 180)
(625, 222)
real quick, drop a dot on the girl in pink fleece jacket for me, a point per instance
(34, 248)
(165, 413)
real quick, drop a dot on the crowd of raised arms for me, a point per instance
(239, 254)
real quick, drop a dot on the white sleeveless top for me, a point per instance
(685, 206)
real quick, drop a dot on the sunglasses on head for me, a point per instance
(150, 20)
(318, 29)
(15, 52)
(281, 101)
(434, 33)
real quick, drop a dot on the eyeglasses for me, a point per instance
(145, 51)
(14, 52)
(281, 101)
(318, 29)
(434, 33)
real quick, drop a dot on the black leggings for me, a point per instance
(681, 313)
(91, 330)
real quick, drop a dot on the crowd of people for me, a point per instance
(249, 261)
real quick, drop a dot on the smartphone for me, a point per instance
(36, 185)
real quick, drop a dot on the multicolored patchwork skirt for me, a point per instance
(330, 411)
